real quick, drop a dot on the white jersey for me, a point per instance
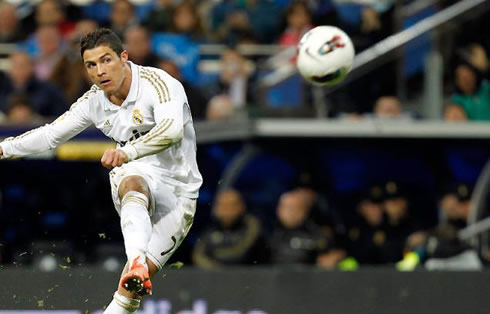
(153, 126)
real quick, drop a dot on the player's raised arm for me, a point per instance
(50, 135)
(169, 129)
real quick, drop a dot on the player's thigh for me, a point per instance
(170, 229)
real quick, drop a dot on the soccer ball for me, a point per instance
(325, 55)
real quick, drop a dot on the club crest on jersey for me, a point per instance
(137, 117)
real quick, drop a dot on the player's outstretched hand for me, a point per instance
(113, 158)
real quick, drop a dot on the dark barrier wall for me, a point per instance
(52, 200)
(254, 291)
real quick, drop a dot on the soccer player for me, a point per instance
(154, 175)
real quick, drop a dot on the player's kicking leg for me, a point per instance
(125, 301)
(136, 229)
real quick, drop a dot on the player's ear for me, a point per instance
(124, 56)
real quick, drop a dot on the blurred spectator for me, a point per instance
(479, 59)
(296, 239)
(51, 13)
(366, 24)
(367, 233)
(262, 16)
(82, 27)
(9, 24)
(298, 18)
(399, 221)
(318, 207)
(50, 51)
(235, 238)
(249, 20)
(454, 113)
(180, 45)
(138, 45)
(122, 17)
(385, 107)
(159, 18)
(220, 107)
(45, 98)
(69, 73)
(234, 80)
(472, 92)
(323, 12)
(476, 55)
(99, 11)
(388, 107)
(196, 98)
(19, 110)
(455, 205)
(370, 21)
(230, 27)
(440, 248)
(395, 204)
(321, 212)
(185, 20)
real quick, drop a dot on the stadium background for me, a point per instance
(264, 132)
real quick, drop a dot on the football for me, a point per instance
(325, 55)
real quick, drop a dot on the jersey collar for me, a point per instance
(133, 90)
(135, 83)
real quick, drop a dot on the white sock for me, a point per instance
(122, 305)
(135, 225)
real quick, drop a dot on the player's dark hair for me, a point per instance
(101, 37)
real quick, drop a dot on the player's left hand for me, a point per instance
(113, 158)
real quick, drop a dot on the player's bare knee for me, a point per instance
(133, 183)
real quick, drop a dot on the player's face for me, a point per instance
(105, 68)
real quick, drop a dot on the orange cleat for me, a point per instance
(137, 279)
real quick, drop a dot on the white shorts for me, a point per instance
(171, 215)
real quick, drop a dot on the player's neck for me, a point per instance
(120, 95)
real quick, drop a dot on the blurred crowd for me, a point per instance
(381, 230)
(44, 74)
